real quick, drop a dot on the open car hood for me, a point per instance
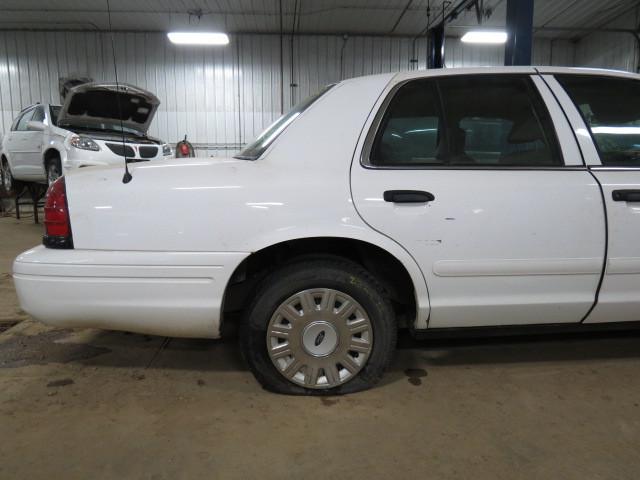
(105, 106)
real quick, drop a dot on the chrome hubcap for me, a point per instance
(319, 338)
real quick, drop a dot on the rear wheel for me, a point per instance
(320, 327)
(54, 170)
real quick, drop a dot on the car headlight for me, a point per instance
(84, 143)
(166, 149)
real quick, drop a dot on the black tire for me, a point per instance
(330, 273)
(5, 174)
(53, 165)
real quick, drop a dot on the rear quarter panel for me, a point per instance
(299, 189)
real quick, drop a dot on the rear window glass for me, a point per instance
(611, 109)
(266, 138)
(411, 132)
(497, 120)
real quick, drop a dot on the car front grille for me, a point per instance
(120, 149)
(148, 152)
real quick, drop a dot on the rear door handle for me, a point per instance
(408, 196)
(626, 195)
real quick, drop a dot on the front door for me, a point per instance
(608, 107)
(467, 174)
(24, 149)
(32, 146)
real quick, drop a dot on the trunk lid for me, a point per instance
(108, 106)
(149, 212)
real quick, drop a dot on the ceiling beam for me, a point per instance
(395, 25)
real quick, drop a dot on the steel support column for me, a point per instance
(435, 57)
(520, 32)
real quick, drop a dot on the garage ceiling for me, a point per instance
(376, 17)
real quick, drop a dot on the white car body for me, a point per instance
(501, 246)
(30, 144)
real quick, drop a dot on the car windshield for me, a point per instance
(266, 138)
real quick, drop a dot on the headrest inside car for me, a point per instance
(525, 131)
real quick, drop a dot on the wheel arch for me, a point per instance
(49, 153)
(399, 276)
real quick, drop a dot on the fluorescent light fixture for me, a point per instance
(484, 36)
(198, 38)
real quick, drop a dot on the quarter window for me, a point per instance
(475, 121)
(611, 109)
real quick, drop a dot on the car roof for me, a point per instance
(407, 75)
(393, 78)
(587, 71)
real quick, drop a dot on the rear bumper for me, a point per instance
(175, 294)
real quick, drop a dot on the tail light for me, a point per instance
(56, 217)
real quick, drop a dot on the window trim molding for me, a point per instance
(479, 167)
(611, 168)
(372, 133)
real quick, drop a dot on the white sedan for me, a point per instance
(502, 197)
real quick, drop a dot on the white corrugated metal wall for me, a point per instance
(220, 97)
(611, 50)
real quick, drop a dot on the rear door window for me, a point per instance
(475, 121)
(411, 130)
(610, 108)
(497, 120)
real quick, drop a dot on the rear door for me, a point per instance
(467, 174)
(605, 111)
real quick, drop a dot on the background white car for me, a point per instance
(99, 124)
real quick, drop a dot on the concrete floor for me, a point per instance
(95, 404)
